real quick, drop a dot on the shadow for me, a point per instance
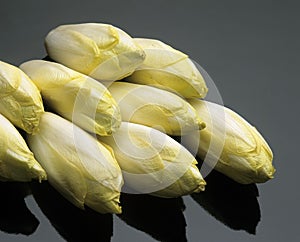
(233, 204)
(161, 218)
(15, 217)
(72, 223)
(47, 58)
(45, 103)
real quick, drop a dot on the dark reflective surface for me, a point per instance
(231, 203)
(251, 51)
(15, 217)
(161, 218)
(71, 223)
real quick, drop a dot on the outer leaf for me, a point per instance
(75, 96)
(78, 166)
(246, 157)
(20, 100)
(17, 162)
(170, 69)
(156, 108)
(100, 50)
(154, 163)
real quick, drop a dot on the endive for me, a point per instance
(75, 96)
(20, 100)
(102, 51)
(152, 162)
(156, 108)
(82, 169)
(169, 69)
(245, 156)
(17, 162)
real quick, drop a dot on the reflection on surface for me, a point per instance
(15, 217)
(72, 223)
(161, 218)
(232, 203)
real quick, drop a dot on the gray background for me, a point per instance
(251, 51)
